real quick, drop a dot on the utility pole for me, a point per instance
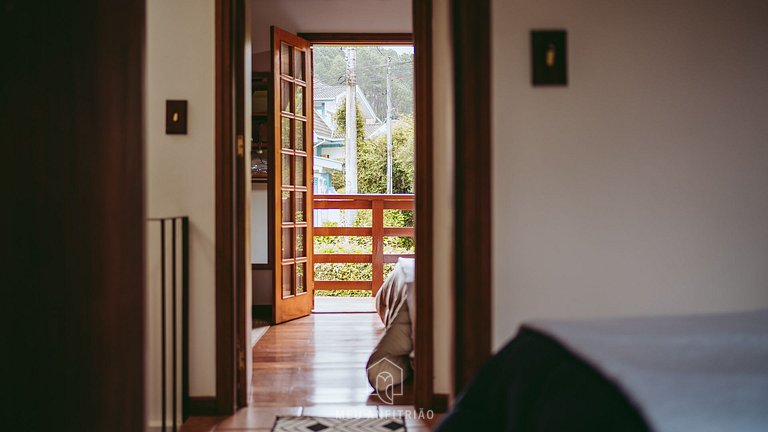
(389, 127)
(351, 136)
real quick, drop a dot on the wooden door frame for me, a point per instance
(229, 287)
(74, 247)
(471, 21)
(424, 383)
(228, 284)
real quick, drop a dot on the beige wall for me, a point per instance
(180, 168)
(641, 187)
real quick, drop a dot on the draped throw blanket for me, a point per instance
(389, 364)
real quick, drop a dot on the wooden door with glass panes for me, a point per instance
(292, 159)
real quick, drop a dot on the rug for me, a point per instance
(323, 424)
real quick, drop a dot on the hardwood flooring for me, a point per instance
(316, 366)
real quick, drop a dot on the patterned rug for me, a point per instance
(322, 424)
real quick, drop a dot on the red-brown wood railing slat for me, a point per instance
(343, 285)
(343, 258)
(343, 231)
(377, 244)
(377, 203)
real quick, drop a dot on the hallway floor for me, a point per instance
(315, 366)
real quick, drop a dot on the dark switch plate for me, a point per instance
(549, 58)
(176, 117)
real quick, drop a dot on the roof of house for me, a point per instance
(322, 128)
(326, 92)
(381, 129)
(370, 129)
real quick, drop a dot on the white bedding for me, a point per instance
(683, 373)
(394, 304)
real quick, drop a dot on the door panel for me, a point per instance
(293, 183)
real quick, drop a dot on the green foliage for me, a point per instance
(338, 181)
(372, 161)
(371, 70)
(372, 157)
(340, 117)
(343, 293)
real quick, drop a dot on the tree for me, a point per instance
(371, 70)
(372, 156)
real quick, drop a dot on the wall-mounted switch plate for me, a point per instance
(176, 117)
(549, 58)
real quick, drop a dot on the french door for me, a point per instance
(292, 181)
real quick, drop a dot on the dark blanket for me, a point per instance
(534, 384)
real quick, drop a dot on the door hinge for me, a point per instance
(240, 146)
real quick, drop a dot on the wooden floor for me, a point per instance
(315, 366)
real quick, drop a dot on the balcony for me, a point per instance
(377, 232)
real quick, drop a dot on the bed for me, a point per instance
(677, 373)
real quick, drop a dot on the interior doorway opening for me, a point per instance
(339, 209)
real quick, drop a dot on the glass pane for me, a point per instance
(285, 132)
(285, 58)
(301, 243)
(286, 94)
(287, 243)
(301, 278)
(287, 162)
(299, 138)
(287, 277)
(300, 207)
(299, 173)
(286, 207)
(299, 105)
(299, 65)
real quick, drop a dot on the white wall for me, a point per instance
(328, 16)
(259, 223)
(180, 168)
(641, 187)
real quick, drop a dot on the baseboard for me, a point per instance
(440, 402)
(262, 312)
(202, 406)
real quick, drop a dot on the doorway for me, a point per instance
(339, 198)
(422, 214)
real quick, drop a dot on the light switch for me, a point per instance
(176, 117)
(549, 58)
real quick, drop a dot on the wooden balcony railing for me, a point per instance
(377, 203)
